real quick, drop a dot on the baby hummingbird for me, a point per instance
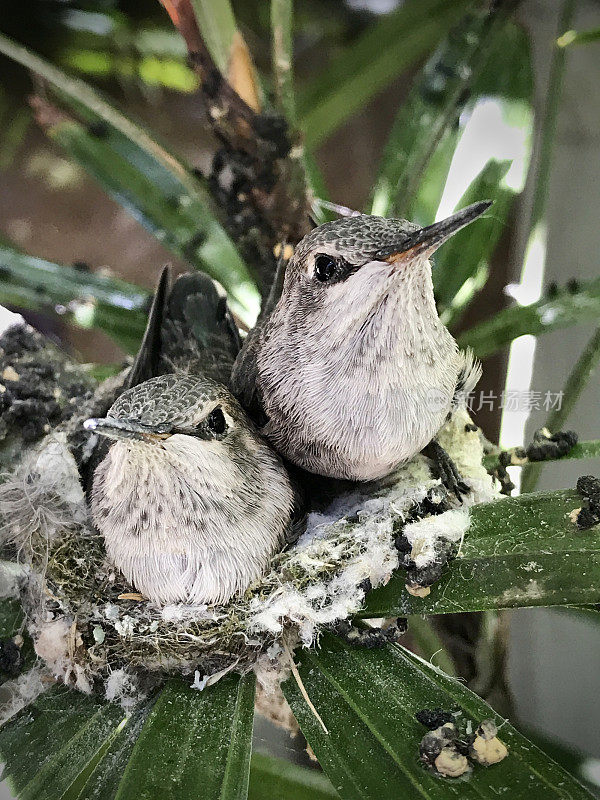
(351, 372)
(190, 499)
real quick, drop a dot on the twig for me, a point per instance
(257, 176)
(282, 50)
(574, 386)
(302, 687)
(429, 643)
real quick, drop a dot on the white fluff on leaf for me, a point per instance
(19, 693)
(122, 687)
(425, 534)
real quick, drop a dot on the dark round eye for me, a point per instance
(325, 267)
(216, 421)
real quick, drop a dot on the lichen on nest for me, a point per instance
(89, 625)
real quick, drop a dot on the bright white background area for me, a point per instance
(555, 660)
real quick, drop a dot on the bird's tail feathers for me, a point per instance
(199, 331)
(146, 363)
(468, 377)
(190, 328)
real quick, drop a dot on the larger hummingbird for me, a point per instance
(350, 372)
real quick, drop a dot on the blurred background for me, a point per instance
(49, 207)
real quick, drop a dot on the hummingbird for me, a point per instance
(189, 497)
(350, 372)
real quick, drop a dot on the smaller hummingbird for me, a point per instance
(350, 371)
(190, 499)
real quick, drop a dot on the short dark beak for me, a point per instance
(125, 429)
(430, 238)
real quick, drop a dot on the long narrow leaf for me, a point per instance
(217, 24)
(582, 766)
(521, 551)
(368, 701)
(432, 108)
(141, 175)
(83, 298)
(387, 48)
(103, 780)
(502, 77)
(48, 744)
(282, 55)
(466, 256)
(202, 740)
(582, 450)
(12, 624)
(274, 779)
(548, 314)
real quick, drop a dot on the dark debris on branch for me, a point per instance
(257, 175)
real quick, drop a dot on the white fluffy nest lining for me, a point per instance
(90, 632)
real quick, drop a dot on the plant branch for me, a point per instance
(266, 201)
(581, 451)
(574, 386)
(282, 55)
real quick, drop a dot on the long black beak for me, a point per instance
(430, 238)
(125, 429)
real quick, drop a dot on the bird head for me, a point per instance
(343, 269)
(175, 412)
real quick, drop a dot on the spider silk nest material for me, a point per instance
(90, 633)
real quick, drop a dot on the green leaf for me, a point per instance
(581, 450)
(217, 26)
(105, 775)
(520, 551)
(83, 298)
(582, 766)
(547, 314)
(436, 99)
(282, 56)
(502, 74)
(368, 699)
(274, 779)
(429, 645)
(156, 188)
(507, 70)
(11, 617)
(386, 49)
(574, 386)
(51, 742)
(466, 256)
(426, 202)
(202, 740)
(578, 37)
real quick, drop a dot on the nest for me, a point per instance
(94, 631)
